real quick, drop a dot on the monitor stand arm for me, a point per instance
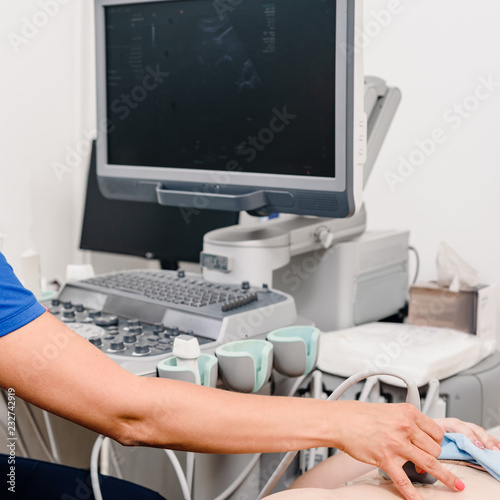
(381, 104)
(252, 253)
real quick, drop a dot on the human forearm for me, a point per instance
(54, 368)
(212, 420)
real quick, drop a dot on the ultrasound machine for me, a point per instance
(207, 109)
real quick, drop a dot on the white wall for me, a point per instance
(46, 107)
(435, 51)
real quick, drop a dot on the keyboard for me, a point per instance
(177, 289)
(135, 316)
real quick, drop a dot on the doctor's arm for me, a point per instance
(50, 366)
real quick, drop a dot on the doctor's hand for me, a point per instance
(474, 432)
(388, 436)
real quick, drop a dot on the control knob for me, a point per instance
(106, 320)
(174, 330)
(141, 349)
(135, 330)
(158, 328)
(117, 346)
(97, 341)
(69, 315)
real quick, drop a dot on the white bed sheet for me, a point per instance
(420, 353)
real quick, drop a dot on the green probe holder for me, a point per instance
(295, 349)
(207, 366)
(245, 365)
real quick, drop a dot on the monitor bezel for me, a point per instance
(347, 182)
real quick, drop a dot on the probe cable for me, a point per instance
(412, 397)
(94, 470)
(183, 481)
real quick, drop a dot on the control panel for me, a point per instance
(135, 316)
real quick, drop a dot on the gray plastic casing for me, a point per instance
(229, 190)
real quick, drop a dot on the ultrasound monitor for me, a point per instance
(232, 105)
(144, 229)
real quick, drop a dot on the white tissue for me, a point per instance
(453, 271)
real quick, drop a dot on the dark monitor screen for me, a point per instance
(169, 234)
(195, 87)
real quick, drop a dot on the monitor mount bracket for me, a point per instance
(251, 253)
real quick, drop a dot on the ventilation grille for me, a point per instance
(317, 202)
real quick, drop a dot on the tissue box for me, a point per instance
(471, 310)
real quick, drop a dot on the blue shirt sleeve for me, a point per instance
(18, 306)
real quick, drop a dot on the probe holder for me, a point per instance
(207, 366)
(245, 365)
(295, 349)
